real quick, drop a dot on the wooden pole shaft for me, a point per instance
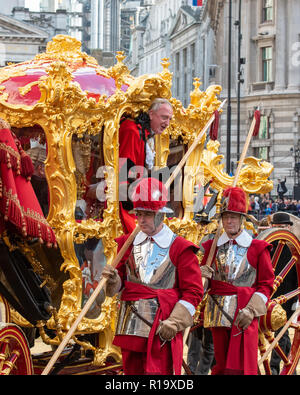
(214, 245)
(244, 152)
(241, 161)
(88, 304)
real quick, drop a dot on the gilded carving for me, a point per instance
(65, 110)
(253, 176)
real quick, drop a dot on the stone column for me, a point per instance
(281, 46)
(249, 30)
(293, 17)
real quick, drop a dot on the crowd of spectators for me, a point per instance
(264, 204)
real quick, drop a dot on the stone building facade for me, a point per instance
(196, 39)
(270, 50)
(173, 29)
(19, 41)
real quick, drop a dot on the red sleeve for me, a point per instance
(189, 280)
(259, 257)
(206, 245)
(131, 146)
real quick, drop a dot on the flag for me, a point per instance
(257, 124)
(213, 133)
(195, 2)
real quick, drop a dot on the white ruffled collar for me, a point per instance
(243, 240)
(162, 238)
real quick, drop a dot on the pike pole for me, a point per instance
(236, 177)
(122, 251)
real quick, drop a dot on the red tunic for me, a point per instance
(132, 145)
(188, 287)
(241, 355)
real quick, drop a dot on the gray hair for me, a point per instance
(159, 102)
(158, 219)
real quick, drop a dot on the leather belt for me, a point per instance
(134, 310)
(225, 314)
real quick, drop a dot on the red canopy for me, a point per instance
(91, 77)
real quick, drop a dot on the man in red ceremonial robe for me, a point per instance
(137, 151)
(240, 282)
(161, 285)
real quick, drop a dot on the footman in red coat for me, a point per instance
(240, 284)
(161, 286)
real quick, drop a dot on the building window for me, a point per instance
(193, 60)
(267, 12)
(262, 151)
(263, 132)
(267, 74)
(177, 61)
(193, 54)
(184, 57)
(185, 77)
(185, 84)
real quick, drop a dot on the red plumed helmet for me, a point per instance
(234, 200)
(150, 195)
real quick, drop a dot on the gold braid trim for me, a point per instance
(29, 221)
(11, 157)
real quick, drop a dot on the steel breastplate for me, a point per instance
(232, 267)
(150, 265)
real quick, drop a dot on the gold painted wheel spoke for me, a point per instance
(10, 363)
(281, 276)
(4, 352)
(284, 298)
(273, 325)
(277, 253)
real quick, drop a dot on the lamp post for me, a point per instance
(297, 164)
(239, 84)
(296, 191)
(228, 137)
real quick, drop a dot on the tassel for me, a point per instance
(27, 168)
(10, 157)
(38, 227)
(257, 123)
(26, 165)
(18, 171)
(13, 214)
(8, 162)
(213, 133)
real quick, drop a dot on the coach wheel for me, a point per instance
(4, 310)
(15, 357)
(286, 291)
